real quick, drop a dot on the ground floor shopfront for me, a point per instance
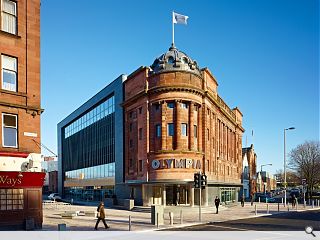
(183, 193)
(21, 200)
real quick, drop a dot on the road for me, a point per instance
(293, 221)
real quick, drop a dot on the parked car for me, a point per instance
(264, 198)
(54, 197)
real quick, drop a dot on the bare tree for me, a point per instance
(305, 161)
(292, 178)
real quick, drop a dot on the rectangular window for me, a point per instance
(195, 131)
(9, 130)
(9, 73)
(184, 105)
(140, 133)
(140, 110)
(170, 129)
(184, 129)
(158, 130)
(208, 134)
(9, 16)
(11, 199)
(130, 163)
(140, 165)
(130, 127)
(170, 104)
(130, 143)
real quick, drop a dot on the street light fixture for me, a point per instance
(284, 163)
(269, 164)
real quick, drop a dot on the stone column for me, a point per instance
(163, 125)
(191, 195)
(177, 126)
(164, 199)
(191, 126)
(204, 195)
(200, 113)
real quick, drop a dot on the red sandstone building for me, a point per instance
(176, 124)
(21, 178)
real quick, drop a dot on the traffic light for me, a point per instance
(197, 180)
(203, 181)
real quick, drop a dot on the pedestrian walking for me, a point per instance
(293, 197)
(252, 199)
(217, 203)
(242, 202)
(101, 216)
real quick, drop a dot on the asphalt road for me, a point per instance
(294, 221)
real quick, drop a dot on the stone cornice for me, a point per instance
(28, 108)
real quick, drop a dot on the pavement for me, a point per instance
(118, 219)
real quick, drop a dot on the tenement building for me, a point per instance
(175, 125)
(249, 174)
(21, 178)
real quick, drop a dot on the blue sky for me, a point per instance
(264, 55)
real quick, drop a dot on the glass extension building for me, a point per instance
(90, 148)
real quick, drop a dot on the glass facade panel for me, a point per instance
(100, 171)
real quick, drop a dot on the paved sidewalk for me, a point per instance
(141, 221)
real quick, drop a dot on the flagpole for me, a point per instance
(172, 28)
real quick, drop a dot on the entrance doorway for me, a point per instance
(177, 194)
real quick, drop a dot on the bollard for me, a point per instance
(181, 217)
(304, 203)
(278, 207)
(281, 200)
(312, 203)
(157, 220)
(259, 199)
(318, 203)
(171, 218)
(267, 208)
(255, 209)
(129, 223)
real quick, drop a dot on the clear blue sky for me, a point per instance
(263, 53)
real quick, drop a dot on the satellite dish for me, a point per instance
(24, 166)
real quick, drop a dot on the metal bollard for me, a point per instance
(255, 209)
(157, 220)
(259, 199)
(304, 203)
(171, 218)
(181, 217)
(318, 203)
(267, 208)
(312, 203)
(129, 223)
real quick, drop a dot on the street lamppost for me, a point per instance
(284, 163)
(269, 164)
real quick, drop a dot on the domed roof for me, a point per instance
(174, 60)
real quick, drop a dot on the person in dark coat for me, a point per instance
(217, 203)
(101, 216)
(242, 202)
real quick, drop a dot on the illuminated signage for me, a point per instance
(176, 163)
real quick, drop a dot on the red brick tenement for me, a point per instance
(20, 76)
(20, 110)
(175, 125)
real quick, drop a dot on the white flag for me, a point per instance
(179, 18)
